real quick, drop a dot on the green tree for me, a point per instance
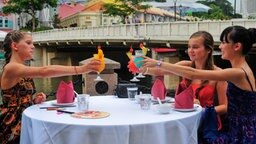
(160, 0)
(56, 21)
(29, 24)
(220, 9)
(217, 13)
(124, 8)
(28, 6)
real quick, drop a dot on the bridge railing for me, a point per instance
(172, 31)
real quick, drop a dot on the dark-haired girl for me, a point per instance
(236, 42)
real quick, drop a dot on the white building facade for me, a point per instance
(247, 8)
(7, 22)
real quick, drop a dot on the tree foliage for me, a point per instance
(220, 9)
(160, 0)
(29, 24)
(56, 21)
(28, 6)
(124, 8)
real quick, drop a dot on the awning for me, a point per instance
(163, 50)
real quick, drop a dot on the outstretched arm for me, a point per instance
(14, 71)
(20, 70)
(230, 74)
(159, 72)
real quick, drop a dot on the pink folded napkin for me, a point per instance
(158, 89)
(65, 92)
(184, 97)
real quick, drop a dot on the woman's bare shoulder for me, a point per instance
(217, 68)
(184, 63)
(13, 68)
(13, 65)
(9, 75)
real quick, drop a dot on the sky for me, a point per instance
(231, 1)
(237, 4)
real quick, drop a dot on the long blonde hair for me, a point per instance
(209, 64)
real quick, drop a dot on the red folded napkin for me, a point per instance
(184, 98)
(65, 92)
(158, 89)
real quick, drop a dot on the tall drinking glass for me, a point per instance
(138, 58)
(133, 69)
(99, 56)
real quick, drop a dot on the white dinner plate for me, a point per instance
(167, 99)
(63, 104)
(186, 110)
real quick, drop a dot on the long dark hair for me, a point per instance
(209, 64)
(13, 36)
(247, 37)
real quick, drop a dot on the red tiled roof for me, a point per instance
(1, 14)
(3, 1)
(66, 10)
(6, 30)
(95, 7)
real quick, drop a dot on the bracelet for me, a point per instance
(75, 70)
(158, 63)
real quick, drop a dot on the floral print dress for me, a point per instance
(241, 117)
(15, 101)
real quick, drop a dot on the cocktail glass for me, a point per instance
(138, 58)
(133, 69)
(138, 61)
(140, 75)
(99, 56)
(134, 79)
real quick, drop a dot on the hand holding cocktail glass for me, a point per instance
(100, 57)
(136, 61)
(147, 64)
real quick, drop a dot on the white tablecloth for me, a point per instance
(127, 124)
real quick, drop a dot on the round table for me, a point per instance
(127, 124)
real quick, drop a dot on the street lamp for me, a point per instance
(234, 7)
(180, 8)
(175, 1)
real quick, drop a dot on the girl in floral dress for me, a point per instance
(17, 82)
